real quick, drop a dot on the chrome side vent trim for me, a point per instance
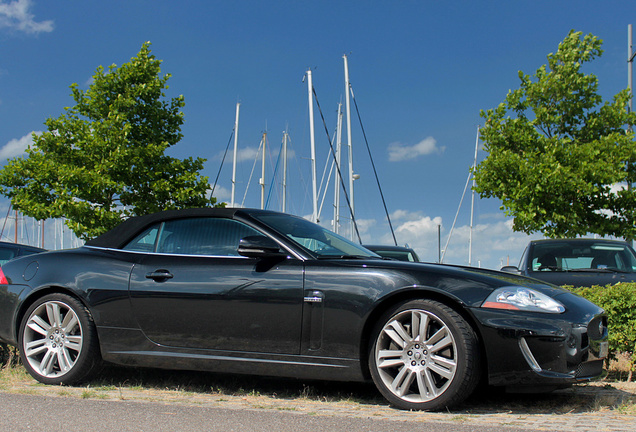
(527, 354)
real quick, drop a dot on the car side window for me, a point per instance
(7, 254)
(144, 242)
(203, 236)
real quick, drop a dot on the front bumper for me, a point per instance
(526, 349)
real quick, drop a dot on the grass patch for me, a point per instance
(89, 394)
(106, 388)
(197, 388)
(13, 374)
(187, 383)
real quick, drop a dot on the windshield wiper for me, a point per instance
(598, 270)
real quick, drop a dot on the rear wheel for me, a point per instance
(58, 340)
(424, 356)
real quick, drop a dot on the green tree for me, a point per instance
(103, 160)
(559, 158)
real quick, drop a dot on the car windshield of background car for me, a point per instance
(575, 256)
(398, 255)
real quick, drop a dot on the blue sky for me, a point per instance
(421, 71)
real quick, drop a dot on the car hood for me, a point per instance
(453, 277)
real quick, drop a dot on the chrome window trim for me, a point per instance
(291, 254)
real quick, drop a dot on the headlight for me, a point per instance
(520, 298)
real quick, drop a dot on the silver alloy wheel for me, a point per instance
(416, 356)
(52, 339)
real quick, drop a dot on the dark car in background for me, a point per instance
(400, 253)
(578, 262)
(8, 251)
(266, 293)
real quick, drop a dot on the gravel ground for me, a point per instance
(600, 406)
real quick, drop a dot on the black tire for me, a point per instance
(58, 341)
(429, 371)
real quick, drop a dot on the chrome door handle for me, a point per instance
(314, 297)
(159, 275)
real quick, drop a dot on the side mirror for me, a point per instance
(510, 269)
(259, 247)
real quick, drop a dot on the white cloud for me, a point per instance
(401, 152)
(365, 226)
(411, 228)
(399, 215)
(493, 244)
(247, 154)
(221, 194)
(16, 147)
(423, 227)
(244, 154)
(16, 15)
(251, 154)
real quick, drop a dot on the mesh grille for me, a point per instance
(589, 369)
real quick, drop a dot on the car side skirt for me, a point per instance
(130, 347)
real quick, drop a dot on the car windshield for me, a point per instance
(582, 256)
(318, 240)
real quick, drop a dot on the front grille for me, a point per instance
(589, 369)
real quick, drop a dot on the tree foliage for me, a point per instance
(103, 160)
(559, 158)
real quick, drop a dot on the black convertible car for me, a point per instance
(260, 292)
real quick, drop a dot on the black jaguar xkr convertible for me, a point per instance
(260, 292)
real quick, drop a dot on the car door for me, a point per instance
(195, 291)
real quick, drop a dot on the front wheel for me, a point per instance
(424, 356)
(58, 340)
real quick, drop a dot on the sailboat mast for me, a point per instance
(285, 136)
(472, 203)
(631, 54)
(348, 110)
(262, 179)
(310, 89)
(236, 123)
(336, 183)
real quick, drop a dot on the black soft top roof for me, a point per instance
(124, 232)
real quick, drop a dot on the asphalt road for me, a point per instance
(23, 412)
